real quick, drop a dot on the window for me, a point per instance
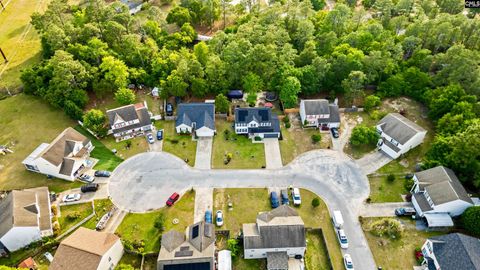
(109, 259)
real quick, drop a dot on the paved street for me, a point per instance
(145, 181)
(273, 157)
(373, 161)
(203, 158)
(381, 209)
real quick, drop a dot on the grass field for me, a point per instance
(72, 214)
(316, 256)
(246, 155)
(181, 146)
(101, 208)
(382, 190)
(140, 227)
(297, 141)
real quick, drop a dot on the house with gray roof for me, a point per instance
(438, 195)
(65, 157)
(319, 113)
(398, 135)
(25, 217)
(195, 250)
(196, 118)
(129, 121)
(257, 123)
(453, 251)
(277, 236)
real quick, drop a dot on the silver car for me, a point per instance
(71, 197)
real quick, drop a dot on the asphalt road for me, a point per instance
(145, 181)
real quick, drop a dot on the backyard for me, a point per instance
(382, 190)
(297, 141)
(72, 214)
(244, 153)
(316, 256)
(137, 228)
(181, 146)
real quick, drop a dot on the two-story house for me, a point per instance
(25, 217)
(277, 236)
(257, 123)
(453, 251)
(319, 113)
(398, 135)
(129, 121)
(438, 195)
(198, 118)
(65, 157)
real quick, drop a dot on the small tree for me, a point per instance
(232, 245)
(471, 220)
(316, 202)
(391, 178)
(362, 134)
(316, 138)
(252, 99)
(159, 221)
(221, 103)
(370, 102)
(386, 227)
(125, 96)
(95, 121)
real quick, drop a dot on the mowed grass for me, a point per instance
(316, 256)
(396, 253)
(245, 154)
(297, 141)
(140, 227)
(181, 146)
(382, 190)
(26, 122)
(138, 145)
(67, 212)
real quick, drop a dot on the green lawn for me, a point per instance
(396, 253)
(381, 190)
(130, 259)
(246, 155)
(316, 257)
(16, 257)
(140, 227)
(26, 122)
(138, 145)
(358, 151)
(181, 146)
(241, 264)
(66, 221)
(101, 208)
(297, 141)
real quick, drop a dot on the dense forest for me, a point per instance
(428, 50)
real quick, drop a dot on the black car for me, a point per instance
(102, 173)
(89, 188)
(335, 133)
(284, 195)
(169, 109)
(405, 211)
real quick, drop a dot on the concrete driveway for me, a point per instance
(273, 157)
(101, 193)
(203, 202)
(382, 209)
(157, 146)
(345, 132)
(145, 181)
(203, 158)
(373, 161)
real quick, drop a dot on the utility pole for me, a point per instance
(3, 7)
(4, 57)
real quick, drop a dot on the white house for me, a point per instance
(398, 134)
(438, 195)
(25, 217)
(87, 249)
(277, 236)
(453, 251)
(257, 123)
(65, 157)
(129, 121)
(197, 118)
(319, 113)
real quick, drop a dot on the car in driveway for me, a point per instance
(297, 200)
(405, 211)
(92, 187)
(86, 178)
(71, 197)
(219, 218)
(342, 238)
(102, 174)
(169, 109)
(150, 139)
(160, 134)
(208, 216)
(284, 195)
(335, 132)
(172, 199)
(274, 199)
(347, 261)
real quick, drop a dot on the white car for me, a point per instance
(86, 178)
(219, 218)
(297, 200)
(150, 139)
(342, 238)
(71, 197)
(347, 261)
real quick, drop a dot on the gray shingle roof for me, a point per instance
(129, 113)
(391, 145)
(202, 114)
(172, 239)
(281, 211)
(334, 114)
(277, 260)
(457, 251)
(67, 166)
(203, 237)
(316, 106)
(247, 115)
(399, 128)
(63, 145)
(422, 202)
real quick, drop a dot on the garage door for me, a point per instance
(189, 266)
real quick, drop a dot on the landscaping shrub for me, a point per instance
(258, 138)
(371, 102)
(159, 221)
(362, 134)
(288, 125)
(174, 141)
(228, 158)
(377, 115)
(232, 245)
(408, 184)
(56, 229)
(226, 134)
(418, 255)
(316, 202)
(128, 144)
(471, 220)
(391, 178)
(252, 99)
(388, 227)
(73, 216)
(54, 210)
(124, 267)
(316, 138)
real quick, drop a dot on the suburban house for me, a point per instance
(25, 217)
(257, 123)
(197, 118)
(453, 251)
(277, 236)
(65, 157)
(129, 121)
(438, 195)
(319, 113)
(398, 135)
(196, 251)
(87, 249)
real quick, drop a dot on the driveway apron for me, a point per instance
(204, 153)
(373, 161)
(273, 157)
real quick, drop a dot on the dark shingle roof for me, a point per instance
(6, 218)
(316, 106)
(63, 146)
(247, 115)
(399, 128)
(129, 113)
(281, 211)
(202, 114)
(67, 166)
(277, 260)
(334, 114)
(172, 239)
(201, 235)
(456, 251)
(422, 202)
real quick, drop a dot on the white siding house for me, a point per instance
(129, 121)
(319, 113)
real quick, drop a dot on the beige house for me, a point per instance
(87, 249)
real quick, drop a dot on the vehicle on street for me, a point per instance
(337, 219)
(335, 132)
(169, 109)
(86, 178)
(102, 173)
(342, 238)
(297, 200)
(160, 134)
(92, 187)
(347, 261)
(405, 211)
(150, 138)
(219, 218)
(284, 194)
(208, 216)
(274, 199)
(172, 199)
(72, 197)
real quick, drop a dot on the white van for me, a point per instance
(337, 219)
